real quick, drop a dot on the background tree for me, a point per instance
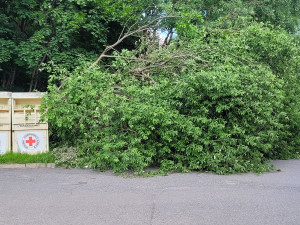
(34, 32)
(64, 32)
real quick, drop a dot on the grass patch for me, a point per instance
(23, 158)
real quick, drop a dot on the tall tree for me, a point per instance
(33, 32)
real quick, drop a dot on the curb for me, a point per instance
(28, 165)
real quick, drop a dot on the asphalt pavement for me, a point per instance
(74, 196)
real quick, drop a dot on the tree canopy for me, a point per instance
(35, 32)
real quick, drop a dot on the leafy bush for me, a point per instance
(224, 101)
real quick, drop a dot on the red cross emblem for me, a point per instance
(30, 141)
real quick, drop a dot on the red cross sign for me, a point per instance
(30, 141)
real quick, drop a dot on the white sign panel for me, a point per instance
(31, 141)
(3, 144)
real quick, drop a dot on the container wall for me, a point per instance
(29, 134)
(5, 141)
(5, 122)
(30, 141)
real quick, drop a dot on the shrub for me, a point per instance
(203, 104)
(66, 156)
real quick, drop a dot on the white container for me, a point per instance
(29, 134)
(5, 122)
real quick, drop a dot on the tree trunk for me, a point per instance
(35, 73)
(12, 79)
(168, 37)
(3, 81)
(36, 82)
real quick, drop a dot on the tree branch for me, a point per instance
(129, 33)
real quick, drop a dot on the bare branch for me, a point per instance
(129, 33)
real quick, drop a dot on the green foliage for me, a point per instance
(220, 95)
(67, 32)
(283, 13)
(35, 32)
(222, 101)
(28, 109)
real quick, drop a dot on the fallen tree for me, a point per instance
(222, 100)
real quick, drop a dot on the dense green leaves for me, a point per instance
(218, 92)
(34, 32)
(217, 102)
(38, 31)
